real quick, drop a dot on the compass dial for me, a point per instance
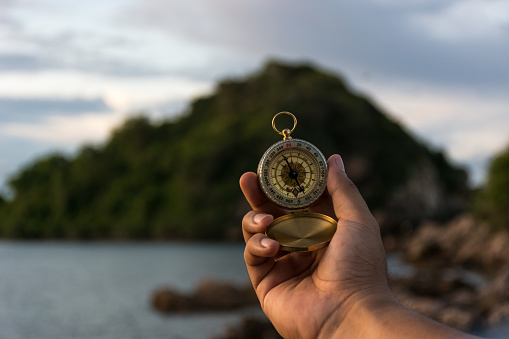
(293, 173)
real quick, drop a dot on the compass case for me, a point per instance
(303, 231)
(288, 192)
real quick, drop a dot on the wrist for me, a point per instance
(356, 317)
(365, 318)
(381, 316)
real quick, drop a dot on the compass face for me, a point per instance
(293, 173)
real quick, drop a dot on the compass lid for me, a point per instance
(302, 231)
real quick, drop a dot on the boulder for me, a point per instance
(460, 242)
(212, 294)
(168, 300)
(496, 293)
(457, 317)
(443, 295)
(425, 243)
(208, 296)
(252, 328)
(498, 315)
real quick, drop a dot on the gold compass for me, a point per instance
(293, 174)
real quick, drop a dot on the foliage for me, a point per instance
(180, 179)
(492, 201)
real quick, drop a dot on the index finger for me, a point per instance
(255, 197)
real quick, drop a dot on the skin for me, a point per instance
(340, 291)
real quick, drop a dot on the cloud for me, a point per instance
(443, 115)
(60, 129)
(14, 61)
(38, 36)
(438, 66)
(469, 126)
(119, 93)
(36, 109)
(468, 20)
(386, 38)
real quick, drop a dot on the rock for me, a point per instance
(497, 292)
(167, 300)
(498, 315)
(464, 298)
(425, 243)
(462, 241)
(209, 295)
(443, 295)
(252, 328)
(495, 254)
(459, 318)
(213, 295)
(435, 283)
(425, 305)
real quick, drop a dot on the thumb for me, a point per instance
(347, 200)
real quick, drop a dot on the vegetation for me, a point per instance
(492, 201)
(180, 179)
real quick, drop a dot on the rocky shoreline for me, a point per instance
(460, 276)
(456, 273)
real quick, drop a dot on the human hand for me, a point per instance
(310, 294)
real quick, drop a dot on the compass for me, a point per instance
(293, 174)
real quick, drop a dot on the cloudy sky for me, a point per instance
(72, 70)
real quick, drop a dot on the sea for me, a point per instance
(58, 290)
(102, 290)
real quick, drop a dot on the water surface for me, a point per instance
(102, 290)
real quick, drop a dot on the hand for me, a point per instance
(337, 292)
(308, 295)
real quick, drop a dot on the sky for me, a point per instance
(71, 71)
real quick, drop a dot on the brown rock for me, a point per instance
(442, 295)
(214, 295)
(429, 307)
(425, 243)
(462, 241)
(167, 300)
(498, 315)
(459, 318)
(252, 328)
(497, 292)
(209, 295)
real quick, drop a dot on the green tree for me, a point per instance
(492, 202)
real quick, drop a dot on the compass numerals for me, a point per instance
(293, 173)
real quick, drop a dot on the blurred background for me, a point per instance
(125, 125)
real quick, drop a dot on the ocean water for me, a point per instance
(60, 290)
(52, 290)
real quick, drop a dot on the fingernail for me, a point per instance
(259, 217)
(339, 163)
(265, 242)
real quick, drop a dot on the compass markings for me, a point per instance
(290, 171)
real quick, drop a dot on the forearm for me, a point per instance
(383, 317)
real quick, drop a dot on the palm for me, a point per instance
(310, 279)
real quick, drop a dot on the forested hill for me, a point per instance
(179, 179)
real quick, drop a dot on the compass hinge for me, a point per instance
(299, 210)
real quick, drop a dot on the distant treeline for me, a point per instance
(179, 179)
